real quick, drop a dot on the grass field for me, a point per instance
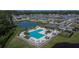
(60, 39)
(15, 42)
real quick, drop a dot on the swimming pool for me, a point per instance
(36, 34)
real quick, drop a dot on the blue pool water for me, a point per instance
(36, 34)
(25, 24)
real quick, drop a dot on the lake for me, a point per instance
(26, 24)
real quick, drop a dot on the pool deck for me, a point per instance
(40, 41)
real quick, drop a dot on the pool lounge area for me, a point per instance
(38, 36)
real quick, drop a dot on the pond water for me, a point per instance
(25, 24)
(66, 45)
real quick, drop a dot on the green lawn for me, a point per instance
(15, 42)
(60, 39)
